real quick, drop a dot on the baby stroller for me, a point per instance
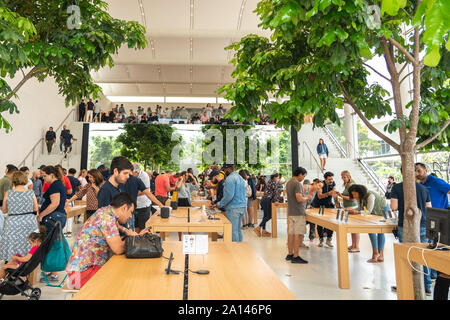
(13, 284)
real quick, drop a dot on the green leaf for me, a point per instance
(339, 55)
(328, 38)
(437, 23)
(391, 7)
(324, 4)
(432, 58)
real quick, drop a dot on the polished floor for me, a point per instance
(316, 280)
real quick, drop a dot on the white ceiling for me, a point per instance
(186, 55)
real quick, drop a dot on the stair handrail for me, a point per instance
(312, 156)
(41, 140)
(336, 142)
(372, 175)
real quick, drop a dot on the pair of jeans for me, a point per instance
(386, 209)
(61, 144)
(441, 289)
(423, 239)
(235, 216)
(266, 204)
(49, 220)
(377, 240)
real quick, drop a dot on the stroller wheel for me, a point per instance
(36, 292)
(33, 297)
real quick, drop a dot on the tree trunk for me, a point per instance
(412, 216)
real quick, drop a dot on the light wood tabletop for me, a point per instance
(137, 279)
(236, 272)
(76, 210)
(178, 222)
(435, 259)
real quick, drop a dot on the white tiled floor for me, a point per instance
(316, 280)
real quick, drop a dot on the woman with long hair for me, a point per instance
(322, 151)
(372, 203)
(270, 196)
(91, 191)
(82, 177)
(349, 204)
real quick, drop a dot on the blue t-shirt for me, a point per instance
(438, 190)
(133, 186)
(106, 193)
(55, 187)
(422, 198)
(75, 183)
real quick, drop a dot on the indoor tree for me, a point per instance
(318, 56)
(150, 145)
(40, 39)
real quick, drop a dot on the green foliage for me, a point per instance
(315, 58)
(34, 37)
(104, 150)
(150, 145)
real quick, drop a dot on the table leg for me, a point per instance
(255, 212)
(163, 235)
(213, 236)
(342, 255)
(227, 233)
(403, 275)
(274, 220)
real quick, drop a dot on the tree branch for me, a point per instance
(403, 68)
(434, 136)
(403, 50)
(406, 76)
(379, 73)
(366, 121)
(27, 77)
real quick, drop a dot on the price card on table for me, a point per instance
(195, 244)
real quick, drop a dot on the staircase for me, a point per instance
(336, 163)
(38, 155)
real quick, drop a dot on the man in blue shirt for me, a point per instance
(234, 200)
(438, 188)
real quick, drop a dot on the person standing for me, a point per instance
(349, 204)
(296, 199)
(81, 111)
(52, 210)
(325, 196)
(19, 203)
(62, 138)
(322, 151)
(50, 139)
(6, 181)
(162, 186)
(217, 178)
(68, 143)
(138, 186)
(438, 190)
(251, 183)
(91, 190)
(97, 111)
(234, 200)
(37, 185)
(423, 201)
(185, 189)
(270, 196)
(372, 203)
(82, 177)
(387, 195)
(74, 182)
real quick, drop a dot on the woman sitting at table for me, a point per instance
(98, 239)
(372, 203)
(91, 191)
(185, 189)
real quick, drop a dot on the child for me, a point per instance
(35, 239)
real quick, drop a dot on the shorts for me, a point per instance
(141, 217)
(323, 156)
(297, 225)
(162, 199)
(249, 202)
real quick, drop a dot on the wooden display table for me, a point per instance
(236, 273)
(178, 222)
(77, 210)
(355, 224)
(436, 259)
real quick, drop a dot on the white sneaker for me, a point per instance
(329, 243)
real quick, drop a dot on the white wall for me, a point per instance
(40, 107)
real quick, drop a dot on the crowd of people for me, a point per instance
(119, 202)
(93, 112)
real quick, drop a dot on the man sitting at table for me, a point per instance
(98, 239)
